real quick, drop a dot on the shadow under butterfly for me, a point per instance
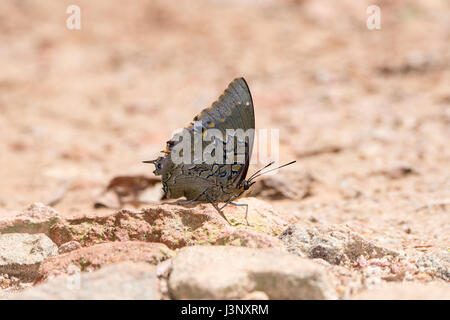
(220, 181)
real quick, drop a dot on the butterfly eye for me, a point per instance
(247, 185)
(158, 166)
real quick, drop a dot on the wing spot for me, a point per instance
(222, 119)
(236, 167)
(211, 124)
(247, 103)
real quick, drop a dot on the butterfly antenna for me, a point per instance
(149, 161)
(266, 166)
(260, 174)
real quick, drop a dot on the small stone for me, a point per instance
(123, 281)
(222, 272)
(436, 264)
(21, 254)
(335, 244)
(69, 246)
(40, 210)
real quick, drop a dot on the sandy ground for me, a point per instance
(366, 113)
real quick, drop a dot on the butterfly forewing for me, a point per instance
(233, 110)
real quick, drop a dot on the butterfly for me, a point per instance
(222, 179)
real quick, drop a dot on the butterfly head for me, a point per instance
(248, 184)
(161, 165)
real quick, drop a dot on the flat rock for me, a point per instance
(221, 272)
(95, 257)
(21, 254)
(37, 218)
(40, 211)
(406, 291)
(335, 244)
(177, 226)
(124, 281)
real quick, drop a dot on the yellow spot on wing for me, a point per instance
(236, 167)
(222, 119)
(211, 124)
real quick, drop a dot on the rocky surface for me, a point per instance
(127, 280)
(234, 272)
(99, 255)
(22, 254)
(270, 259)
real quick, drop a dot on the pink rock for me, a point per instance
(97, 256)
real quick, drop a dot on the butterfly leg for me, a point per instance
(219, 211)
(246, 209)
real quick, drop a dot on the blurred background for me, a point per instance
(365, 112)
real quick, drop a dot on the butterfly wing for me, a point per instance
(233, 110)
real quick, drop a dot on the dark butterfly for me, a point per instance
(219, 181)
